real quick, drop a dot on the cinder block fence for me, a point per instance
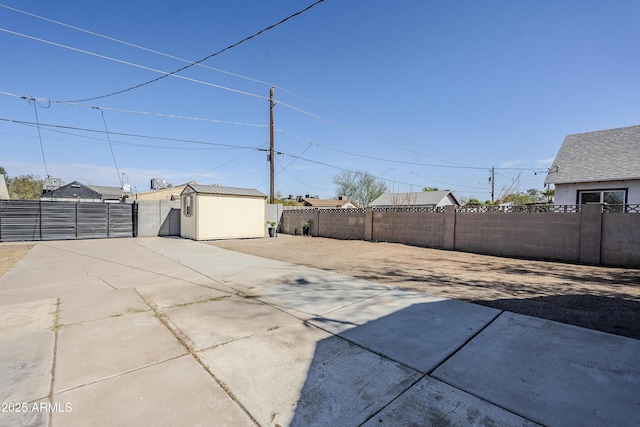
(587, 234)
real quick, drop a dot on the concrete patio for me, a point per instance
(154, 331)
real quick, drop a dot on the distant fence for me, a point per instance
(27, 220)
(589, 234)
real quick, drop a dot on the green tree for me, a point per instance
(3, 171)
(26, 187)
(474, 202)
(530, 196)
(360, 187)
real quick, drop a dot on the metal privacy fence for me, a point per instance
(27, 220)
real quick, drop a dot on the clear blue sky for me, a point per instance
(419, 93)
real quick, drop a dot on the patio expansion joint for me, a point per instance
(139, 368)
(181, 338)
(456, 351)
(55, 328)
(233, 290)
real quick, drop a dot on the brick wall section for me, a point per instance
(552, 236)
(589, 237)
(348, 224)
(292, 220)
(414, 228)
(620, 239)
(590, 234)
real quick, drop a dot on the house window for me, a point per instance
(608, 197)
(187, 205)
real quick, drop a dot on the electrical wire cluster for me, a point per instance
(249, 149)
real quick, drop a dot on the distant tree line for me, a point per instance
(23, 187)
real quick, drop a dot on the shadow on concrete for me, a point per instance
(607, 314)
(358, 372)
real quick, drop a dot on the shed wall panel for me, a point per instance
(188, 222)
(229, 217)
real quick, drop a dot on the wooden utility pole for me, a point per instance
(271, 148)
(493, 182)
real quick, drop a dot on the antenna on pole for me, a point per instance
(271, 148)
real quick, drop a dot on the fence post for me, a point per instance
(368, 224)
(590, 233)
(449, 228)
(134, 218)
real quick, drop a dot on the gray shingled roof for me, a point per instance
(604, 155)
(422, 198)
(228, 191)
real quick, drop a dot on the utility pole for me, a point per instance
(271, 148)
(493, 183)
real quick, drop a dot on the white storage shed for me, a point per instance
(210, 212)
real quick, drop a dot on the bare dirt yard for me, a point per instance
(600, 298)
(10, 254)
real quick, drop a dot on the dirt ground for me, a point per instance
(600, 298)
(10, 254)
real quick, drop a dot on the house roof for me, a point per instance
(606, 155)
(421, 198)
(73, 190)
(168, 193)
(227, 191)
(107, 192)
(325, 203)
(77, 190)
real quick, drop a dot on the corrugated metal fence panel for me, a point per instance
(92, 220)
(29, 220)
(20, 220)
(120, 220)
(58, 220)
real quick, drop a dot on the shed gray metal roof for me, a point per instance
(606, 155)
(227, 191)
(421, 198)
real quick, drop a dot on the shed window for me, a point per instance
(187, 205)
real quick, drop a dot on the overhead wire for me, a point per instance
(189, 141)
(110, 145)
(131, 64)
(199, 63)
(191, 64)
(173, 73)
(148, 113)
(35, 109)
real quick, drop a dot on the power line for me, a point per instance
(35, 109)
(191, 63)
(106, 131)
(148, 113)
(189, 141)
(128, 63)
(173, 73)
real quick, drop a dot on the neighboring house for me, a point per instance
(4, 189)
(170, 193)
(214, 212)
(422, 198)
(341, 202)
(77, 192)
(598, 167)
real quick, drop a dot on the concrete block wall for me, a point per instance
(552, 236)
(620, 239)
(414, 228)
(292, 220)
(587, 237)
(158, 218)
(348, 224)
